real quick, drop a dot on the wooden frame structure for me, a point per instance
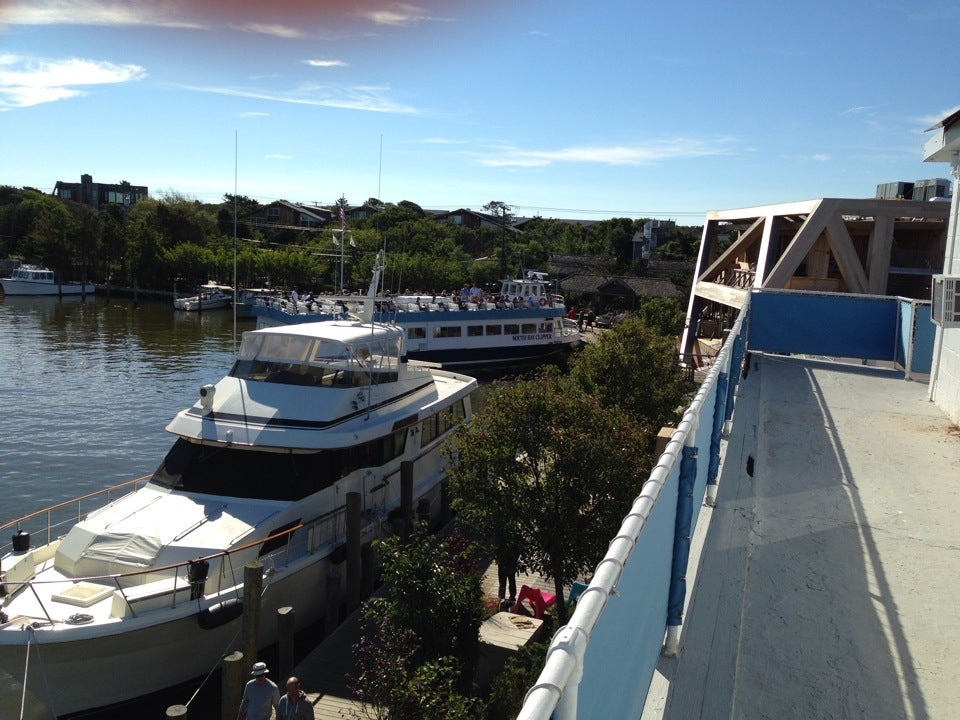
(869, 246)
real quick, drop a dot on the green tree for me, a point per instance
(633, 367)
(420, 641)
(547, 467)
(504, 213)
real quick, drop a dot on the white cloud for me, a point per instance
(325, 63)
(95, 12)
(252, 114)
(398, 14)
(271, 29)
(26, 81)
(366, 98)
(611, 155)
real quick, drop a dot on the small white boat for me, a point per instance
(146, 591)
(209, 297)
(39, 280)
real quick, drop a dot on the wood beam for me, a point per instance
(797, 249)
(878, 255)
(723, 294)
(846, 254)
(742, 243)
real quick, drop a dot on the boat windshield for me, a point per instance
(304, 360)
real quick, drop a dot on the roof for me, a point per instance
(616, 285)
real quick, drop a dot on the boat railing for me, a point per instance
(323, 533)
(50, 519)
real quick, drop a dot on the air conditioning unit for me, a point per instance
(945, 297)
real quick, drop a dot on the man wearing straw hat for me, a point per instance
(260, 696)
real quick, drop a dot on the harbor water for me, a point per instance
(87, 389)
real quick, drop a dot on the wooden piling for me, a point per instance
(233, 675)
(354, 570)
(286, 630)
(368, 572)
(331, 616)
(252, 590)
(406, 497)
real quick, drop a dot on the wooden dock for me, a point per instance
(323, 672)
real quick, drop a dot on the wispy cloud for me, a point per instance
(609, 155)
(252, 114)
(271, 29)
(96, 12)
(440, 141)
(28, 81)
(325, 63)
(359, 97)
(398, 14)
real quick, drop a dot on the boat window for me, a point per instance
(447, 332)
(444, 421)
(235, 472)
(474, 330)
(528, 329)
(546, 327)
(511, 329)
(494, 329)
(416, 333)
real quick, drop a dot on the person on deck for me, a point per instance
(294, 705)
(260, 696)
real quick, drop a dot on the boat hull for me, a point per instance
(155, 654)
(26, 287)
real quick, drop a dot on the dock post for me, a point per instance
(423, 510)
(368, 572)
(354, 569)
(252, 590)
(406, 497)
(331, 617)
(232, 677)
(446, 513)
(286, 630)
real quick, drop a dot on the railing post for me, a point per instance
(681, 543)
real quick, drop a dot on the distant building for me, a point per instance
(654, 233)
(96, 195)
(464, 217)
(919, 190)
(284, 215)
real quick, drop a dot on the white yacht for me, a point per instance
(210, 296)
(146, 591)
(38, 280)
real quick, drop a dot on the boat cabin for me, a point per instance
(32, 273)
(355, 357)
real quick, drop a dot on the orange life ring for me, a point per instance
(543, 302)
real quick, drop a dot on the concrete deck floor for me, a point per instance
(829, 580)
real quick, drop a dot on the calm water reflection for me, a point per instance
(86, 390)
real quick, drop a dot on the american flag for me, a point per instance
(343, 217)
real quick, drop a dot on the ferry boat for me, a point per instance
(146, 591)
(524, 324)
(39, 280)
(209, 297)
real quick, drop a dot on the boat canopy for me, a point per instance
(301, 359)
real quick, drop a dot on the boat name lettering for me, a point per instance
(536, 336)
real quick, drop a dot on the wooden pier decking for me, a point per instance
(323, 672)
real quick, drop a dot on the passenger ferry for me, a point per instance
(524, 324)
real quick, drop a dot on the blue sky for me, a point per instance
(558, 108)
